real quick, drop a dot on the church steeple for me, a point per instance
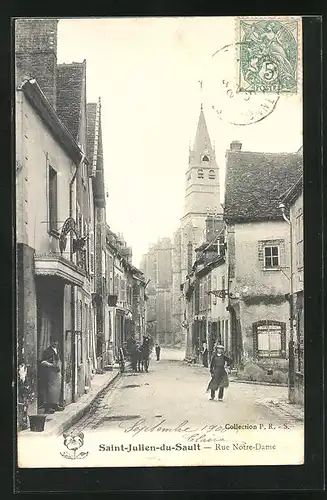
(202, 192)
(202, 147)
(202, 143)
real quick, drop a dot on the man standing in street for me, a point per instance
(158, 349)
(219, 378)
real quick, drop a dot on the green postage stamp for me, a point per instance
(269, 55)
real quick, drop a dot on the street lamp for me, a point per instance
(291, 361)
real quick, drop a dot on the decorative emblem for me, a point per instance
(73, 442)
(69, 225)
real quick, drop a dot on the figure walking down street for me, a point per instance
(205, 354)
(219, 378)
(146, 352)
(50, 378)
(158, 349)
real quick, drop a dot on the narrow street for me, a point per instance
(176, 391)
(137, 408)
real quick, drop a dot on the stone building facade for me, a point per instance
(293, 200)
(258, 254)
(157, 266)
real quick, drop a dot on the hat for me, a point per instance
(219, 346)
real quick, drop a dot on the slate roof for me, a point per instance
(293, 192)
(70, 78)
(255, 183)
(91, 109)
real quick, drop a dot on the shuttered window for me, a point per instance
(92, 253)
(53, 204)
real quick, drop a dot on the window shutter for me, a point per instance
(103, 264)
(282, 252)
(92, 253)
(260, 254)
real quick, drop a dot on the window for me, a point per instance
(214, 298)
(79, 337)
(212, 174)
(84, 174)
(87, 248)
(189, 256)
(189, 176)
(299, 238)
(271, 254)
(226, 335)
(218, 332)
(200, 173)
(269, 338)
(53, 208)
(205, 295)
(205, 158)
(103, 264)
(223, 286)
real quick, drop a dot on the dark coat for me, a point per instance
(50, 377)
(219, 377)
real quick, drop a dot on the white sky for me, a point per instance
(146, 71)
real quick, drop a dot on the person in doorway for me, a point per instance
(158, 349)
(219, 378)
(205, 354)
(50, 375)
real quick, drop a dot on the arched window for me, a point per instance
(205, 158)
(212, 174)
(200, 173)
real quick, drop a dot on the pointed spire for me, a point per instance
(202, 141)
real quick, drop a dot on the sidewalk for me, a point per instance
(279, 406)
(283, 407)
(58, 422)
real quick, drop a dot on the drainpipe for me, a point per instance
(72, 299)
(291, 360)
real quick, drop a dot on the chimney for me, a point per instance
(36, 53)
(235, 146)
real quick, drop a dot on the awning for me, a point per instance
(57, 266)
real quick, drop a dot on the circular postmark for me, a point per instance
(223, 92)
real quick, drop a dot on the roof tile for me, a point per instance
(255, 182)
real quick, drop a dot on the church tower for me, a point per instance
(202, 194)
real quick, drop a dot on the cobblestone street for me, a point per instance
(173, 390)
(165, 417)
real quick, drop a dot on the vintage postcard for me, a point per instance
(159, 230)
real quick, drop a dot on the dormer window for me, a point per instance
(205, 158)
(200, 173)
(212, 174)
